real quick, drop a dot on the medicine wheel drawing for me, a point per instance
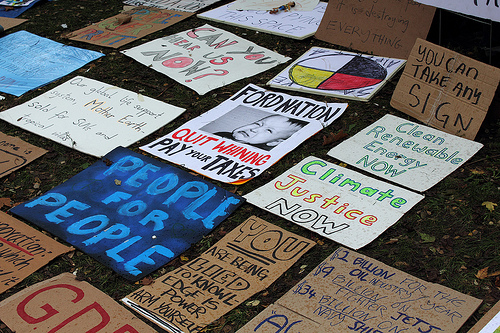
(337, 72)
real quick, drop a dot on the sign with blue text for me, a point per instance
(340, 204)
(131, 212)
(350, 292)
(204, 58)
(406, 153)
(30, 61)
(243, 136)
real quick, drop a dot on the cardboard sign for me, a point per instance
(386, 28)
(445, 89)
(406, 153)
(91, 116)
(293, 24)
(300, 5)
(128, 26)
(246, 261)
(350, 292)
(481, 8)
(131, 212)
(205, 58)
(15, 153)
(7, 23)
(64, 303)
(337, 73)
(337, 203)
(180, 5)
(490, 322)
(25, 61)
(23, 250)
(240, 138)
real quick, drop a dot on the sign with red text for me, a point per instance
(128, 26)
(481, 8)
(205, 58)
(445, 89)
(91, 116)
(406, 153)
(247, 260)
(23, 250)
(15, 153)
(240, 138)
(386, 28)
(337, 203)
(63, 303)
(350, 292)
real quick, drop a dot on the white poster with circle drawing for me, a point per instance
(244, 135)
(487, 9)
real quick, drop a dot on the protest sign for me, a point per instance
(445, 89)
(15, 11)
(30, 61)
(128, 26)
(131, 212)
(406, 153)
(352, 292)
(386, 28)
(300, 5)
(190, 6)
(490, 322)
(91, 116)
(15, 153)
(293, 24)
(246, 261)
(23, 250)
(16, 3)
(337, 203)
(481, 8)
(241, 137)
(337, 73)
(64, 303)
(205, 58)
(7, 23)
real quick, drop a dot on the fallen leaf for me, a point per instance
(253, 303)
(477, 171)
(334, 137)
(482, 273)
(426, 238)
(5, 202)
(118, 182)
(184, 258)
(490, 205)
(147, 281)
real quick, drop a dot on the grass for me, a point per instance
(446, 238)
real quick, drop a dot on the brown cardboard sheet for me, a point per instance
(15, 153)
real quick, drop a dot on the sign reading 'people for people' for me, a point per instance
(335, 202)
(131, 212)
(406, 153)
(240, 138)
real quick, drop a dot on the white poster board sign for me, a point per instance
(337, 203)
(406, 153)
(305, 5)
(190, 6)
(241, 137)
(337, 73)
(481, 8)
(205, 58)
(292, 24)
(91, 116)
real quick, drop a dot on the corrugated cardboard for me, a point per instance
(16, 153)
(445, 89)
(490, 322)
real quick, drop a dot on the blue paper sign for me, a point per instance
(131, 212)
(29, 61)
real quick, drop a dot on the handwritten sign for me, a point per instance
(23, 250)
(342, 205)
(25, 61)
(91, 116)
(490, 322)
(15, 153)
(246, 134)
(64, 303)
(179, 5)
(337, 73)
(300, 5)
(293, 24)
(404, 152)
(113, 32)
(131, 212)
(445, 89)
(350, 292)
(15, 3)
(246, 261)
(205, 58)
(386, 28)
(481, 8)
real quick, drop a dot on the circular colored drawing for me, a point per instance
(337, 72)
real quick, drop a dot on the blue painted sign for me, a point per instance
(131, 212)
